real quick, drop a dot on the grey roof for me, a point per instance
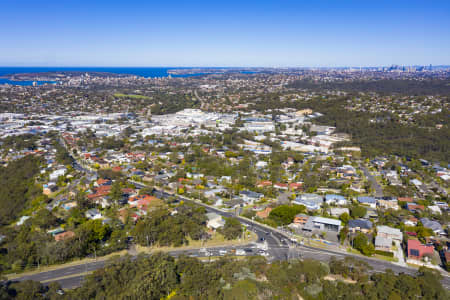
(251, 194)
(326, 221)
(364, 224)
(394, 232)
(317, 199)
(334, 197)
(383, 242)
(365, 199)
(433, 225)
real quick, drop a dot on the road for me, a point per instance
(73, 276)
(279, 245)
(373, 182)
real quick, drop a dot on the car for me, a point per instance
(222, 252)
(248, 250)
(240, 252)
(262, 239)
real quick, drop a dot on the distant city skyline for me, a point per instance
(228, 34)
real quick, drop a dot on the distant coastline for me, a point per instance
(41, 75)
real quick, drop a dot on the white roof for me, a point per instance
(327, 221)
(390, 230)
(383, 242)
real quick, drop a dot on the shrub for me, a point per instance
(384, 253)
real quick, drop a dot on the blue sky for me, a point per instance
(224, 33)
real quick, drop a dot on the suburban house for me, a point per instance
(281, 186)
(405, 199)
(383, 243)
(389, 232)
(100, 191)
(412, 221)
(359, 225)
(213, 192)
(102, 181)
(413, 207)
(250, 197)
(142, 202)
(370, 201)
(322, 224)
(311, 201)
(433, 225)
(337, 211)
(264, 183)
(293, 186)
(55, 174)
(416, 250)
(335, 199)
(93, 214)
(386, 237)
(435, 209)
(388, 204)
(264, 213)
(215, 221)
(49, 188)
(64, 235)
(300, 219)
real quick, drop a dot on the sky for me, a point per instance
(282, 33)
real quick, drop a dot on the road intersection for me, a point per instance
(279, 245)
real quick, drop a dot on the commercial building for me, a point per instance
(322, 224)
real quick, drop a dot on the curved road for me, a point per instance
(280, 247)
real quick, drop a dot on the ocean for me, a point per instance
(139, 71)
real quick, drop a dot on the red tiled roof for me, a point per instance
(421, 249)
(405, 199)
(295, 185)
(264, 213)
(141, 201)
(102, 181)
(64, 235)
(265, 183)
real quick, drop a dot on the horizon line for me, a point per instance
(225, 67)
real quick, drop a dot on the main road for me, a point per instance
(279, 247)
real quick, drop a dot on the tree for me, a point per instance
(358, 211)
(83, 202)
(17, 187)
(116, 191)
(284, 214)
(344, 218)
(343, 234)
(232, 229)
(361, 243)
(90, 234)
(44, 219)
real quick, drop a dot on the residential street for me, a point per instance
(373, 181)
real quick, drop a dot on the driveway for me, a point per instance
(399, 254)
